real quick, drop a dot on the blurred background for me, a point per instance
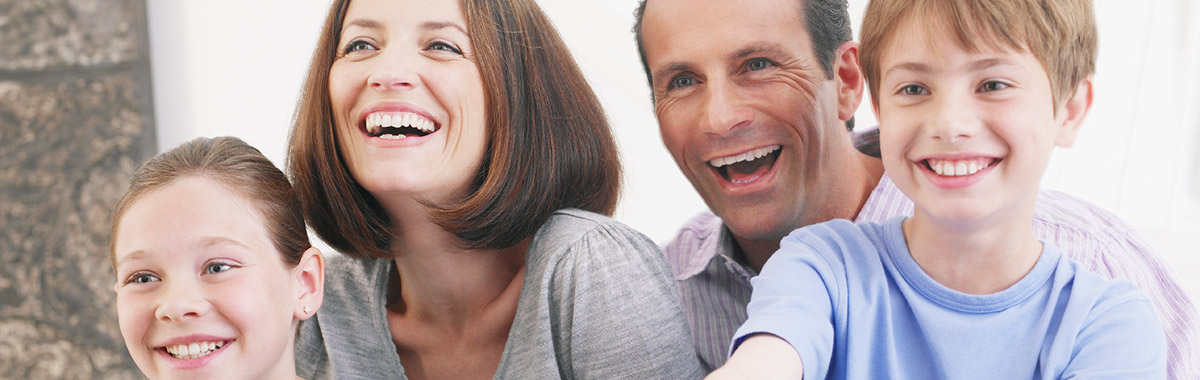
(89, 88)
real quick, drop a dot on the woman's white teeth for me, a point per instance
(377, 121)
(194, 350)
(751, 155)
(955, 168)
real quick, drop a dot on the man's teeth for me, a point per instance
(751, 155)
(194, 350)
(955, 168)
(377, 121)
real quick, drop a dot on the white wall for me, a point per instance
(226, 67)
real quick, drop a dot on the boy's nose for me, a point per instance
(952, 120)
(181, 301)
(723, 109)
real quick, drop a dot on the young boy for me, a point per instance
(972, 97)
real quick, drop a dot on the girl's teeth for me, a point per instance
(193, 350)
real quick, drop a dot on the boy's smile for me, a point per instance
(966, 135)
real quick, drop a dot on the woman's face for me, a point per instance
(408, 99)
(201, 290)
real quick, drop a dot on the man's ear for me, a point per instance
(849, 79)
(1073, 111)
(309, 277)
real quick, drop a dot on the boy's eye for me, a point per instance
(357, 45)
(913, 89)
(438, 45)
(993, 86)
(141, 278)
(758, 64)
(215, 268)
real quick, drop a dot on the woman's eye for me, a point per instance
(758, 64)
(993, 86)
(681, 81)
(215, 268)
(444, 46)
(141, 278)
(357, 45)
(913, 89)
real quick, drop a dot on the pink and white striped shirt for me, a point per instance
(716, 288)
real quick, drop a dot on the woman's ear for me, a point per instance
(309, 277)
(1073, 111)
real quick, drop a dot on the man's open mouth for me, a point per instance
(396, 126)
(746, 167)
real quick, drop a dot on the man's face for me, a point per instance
(746, 110)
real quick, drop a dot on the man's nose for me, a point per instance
(724, 108)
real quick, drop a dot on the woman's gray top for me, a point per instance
(597, 302)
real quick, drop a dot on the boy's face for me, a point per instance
(967, 136)
(195, 266)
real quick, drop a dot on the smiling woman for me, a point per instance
(463, 165)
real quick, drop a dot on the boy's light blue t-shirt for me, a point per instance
(855, 305)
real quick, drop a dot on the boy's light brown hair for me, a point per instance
(1059, 33)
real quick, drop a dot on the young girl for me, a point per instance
(214, 267)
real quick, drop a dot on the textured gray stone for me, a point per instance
(46, 34)
(68, 149)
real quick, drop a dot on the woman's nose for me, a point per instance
(393, 71)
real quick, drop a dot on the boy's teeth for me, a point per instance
(193, 350)
(751, 155)
(956, 168)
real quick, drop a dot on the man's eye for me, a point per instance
(993, 86)
(215, 268)
(913, 89)
(758, 64)
(681, 81)
(357, 45)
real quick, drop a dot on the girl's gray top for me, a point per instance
(597, 302)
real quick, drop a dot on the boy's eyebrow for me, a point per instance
(915, 67)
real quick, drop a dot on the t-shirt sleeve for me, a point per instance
(795, 295)
(1124, 340)
(625, 319)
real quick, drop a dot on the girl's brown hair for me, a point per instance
(238, 167)
(549, 144)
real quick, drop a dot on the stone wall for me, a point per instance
(75, 119)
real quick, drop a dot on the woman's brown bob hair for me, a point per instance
(549, 144)
(238, 167)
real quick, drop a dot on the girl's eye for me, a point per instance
(438, 45)
(993, 86)
(215, 268)
(357, 45)
(913, 89)
(758, 64)
(141, 278)
(681, 81)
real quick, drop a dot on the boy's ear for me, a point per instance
(309, 277)
(1073, 111)
(849, 78)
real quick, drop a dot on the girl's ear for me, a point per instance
(1073, 111)
(309, 277)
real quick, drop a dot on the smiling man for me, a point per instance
(753, 100)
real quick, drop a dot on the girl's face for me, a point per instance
(408, 98)
(201, 290)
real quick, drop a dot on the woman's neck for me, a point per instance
(979, 257)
